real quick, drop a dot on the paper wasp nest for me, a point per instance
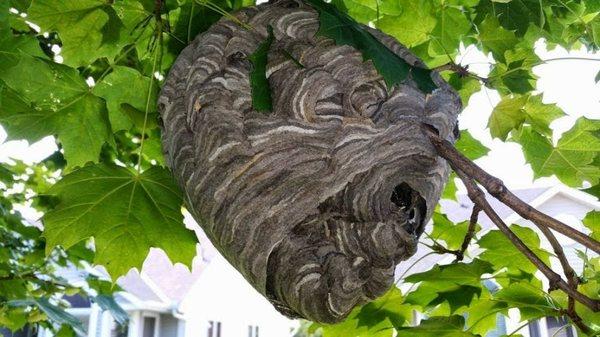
(316, 201)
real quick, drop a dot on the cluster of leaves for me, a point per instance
(88, 72)
(32, 278)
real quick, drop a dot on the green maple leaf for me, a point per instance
(452, 24)
(470, 147)
(495, 38)
(42, 98)
(452, 326)
(465, 85)
(88, 29)
(450, 187)
(592, 222)
(482, 313)
(456, 273)
(531, 302)
(457, 284)
(451, 233)
(573, 160)
(500, 252)
(128, 94)
(514, 15)
(457, 297)
(507, 115)
(412, 25)
(514, 111)
(516, 77)
(124, 212)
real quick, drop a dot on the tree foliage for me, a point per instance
(88, 72)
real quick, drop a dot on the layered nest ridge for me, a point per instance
(316, 201)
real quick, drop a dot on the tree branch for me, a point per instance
(497, 189)
(469, 173)
(478, 197)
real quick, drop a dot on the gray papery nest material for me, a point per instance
(317, 201)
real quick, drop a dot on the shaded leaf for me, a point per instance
(465, 85)
(594, 190)
(482, 314)
(261, 91)
(345, 31)
(495, 38)
(531, 302)
(514, 15)
(374, 319)
(128, 94)
(456, 273)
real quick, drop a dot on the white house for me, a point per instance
(566, 204)
(166, 300)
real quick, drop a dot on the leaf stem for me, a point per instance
(157, 51)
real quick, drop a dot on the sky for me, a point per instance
(568, 83)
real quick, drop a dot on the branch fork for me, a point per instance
(471, 174)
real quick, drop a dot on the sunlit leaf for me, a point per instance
(42, 98)
(124, 212)
(500, 251)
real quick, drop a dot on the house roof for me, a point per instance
(162, 281)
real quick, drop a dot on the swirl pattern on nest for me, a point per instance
(317, 201)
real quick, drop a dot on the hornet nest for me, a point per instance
(316, 201)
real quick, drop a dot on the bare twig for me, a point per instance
(571, 276)
(470, 233)
(497, 189)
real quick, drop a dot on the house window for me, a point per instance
(149, 326)
(214, 329)
(557, 326)
(253, 331)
